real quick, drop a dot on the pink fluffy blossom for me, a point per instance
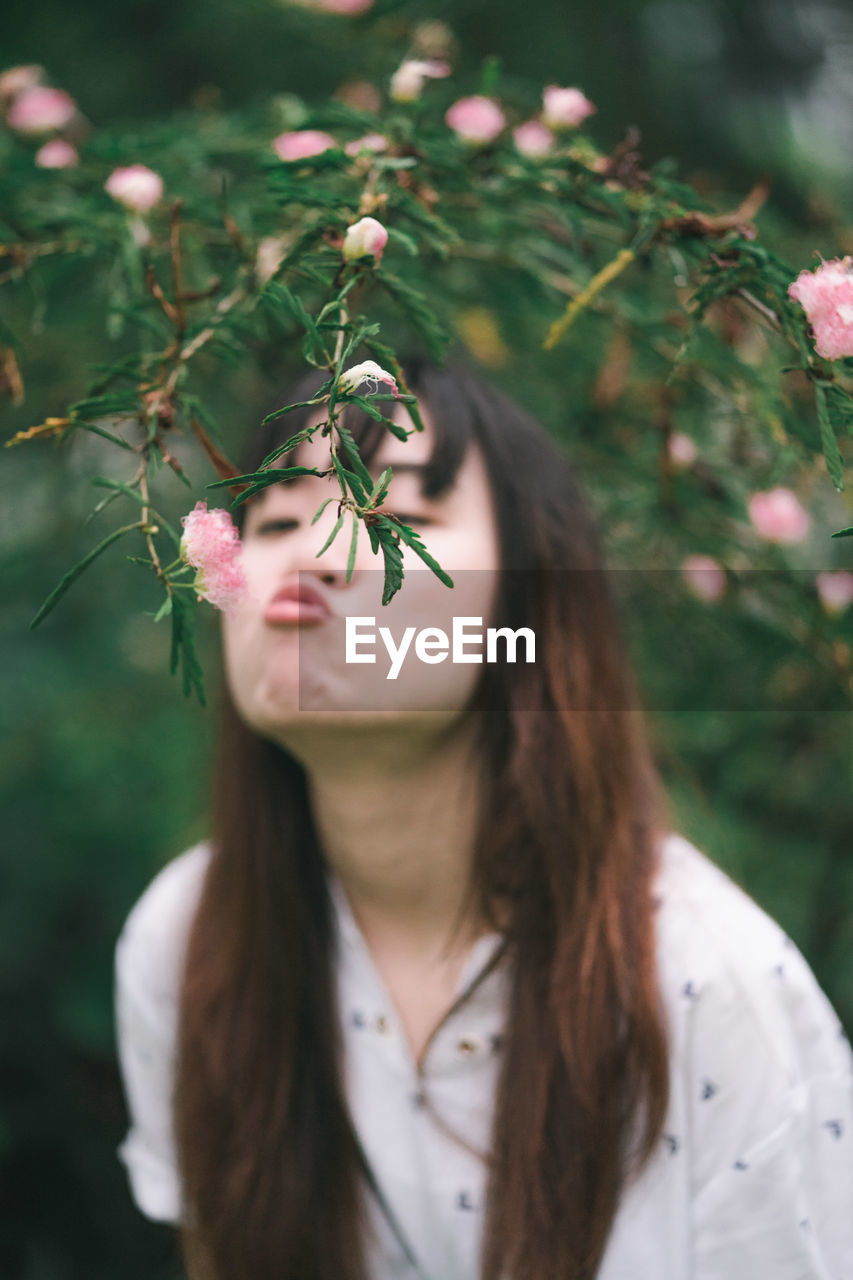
(41, 110)
(370, 142)
(135, 186)
(835, 589)
(565, 108)
(778, 515)
(532, 138)
(408, 80)
(299, 144)
(475, 119)
(705, 576)
(211, 544)
(365, 237)
(826, 296)
(56, 154)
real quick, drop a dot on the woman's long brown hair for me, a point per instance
(571, 817)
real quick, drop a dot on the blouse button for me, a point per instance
(467, 1047)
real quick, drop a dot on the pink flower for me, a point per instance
(367, 236)
(367, 371)
(476, 119)
(565, 108)
(408, 80)
(826, 296)
(682, 450)
(135, 186)
(41, 110)
(299, 144)
(532, 138)
(370, 142)
(835, 588)
(778, 515)
(211, 544)
(16, 79)
(705, 576)
(56, 154)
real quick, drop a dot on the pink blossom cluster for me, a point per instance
(826, 296)
(211, 543)
(778, 515)
(562, 109)
(34, 109)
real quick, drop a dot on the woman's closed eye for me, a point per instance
(276, 526)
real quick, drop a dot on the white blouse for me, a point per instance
(753, 1178)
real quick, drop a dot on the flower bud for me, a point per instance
(371, 142)
(408, 80)
(363, 238)
(532, 138)
(135, 186)
(681, 449)
(476, 119)
(56, 154)
(299, 144)
(564, 108)
(705, 577)
(41, 110)
(835, 589)
(778, 516)
(16, 80)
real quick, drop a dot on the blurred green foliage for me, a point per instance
(106, 767)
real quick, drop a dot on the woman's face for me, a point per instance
(283, 672)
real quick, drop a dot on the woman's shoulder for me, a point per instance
(155, 929)
(734, 982)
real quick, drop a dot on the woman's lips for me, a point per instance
(296, 604)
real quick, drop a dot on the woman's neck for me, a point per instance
(396, 813)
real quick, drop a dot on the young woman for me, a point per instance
(443, 997)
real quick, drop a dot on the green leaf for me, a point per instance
(377, 496)
(352, 547)
(332, 535)
(164, 610)
(844, 533)
(183, 646)
(74, 573)
(300, 404)
(831, 453)
(393, 556)
(412, 540)
(354, 457)
(313, 347)
(321, 509)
